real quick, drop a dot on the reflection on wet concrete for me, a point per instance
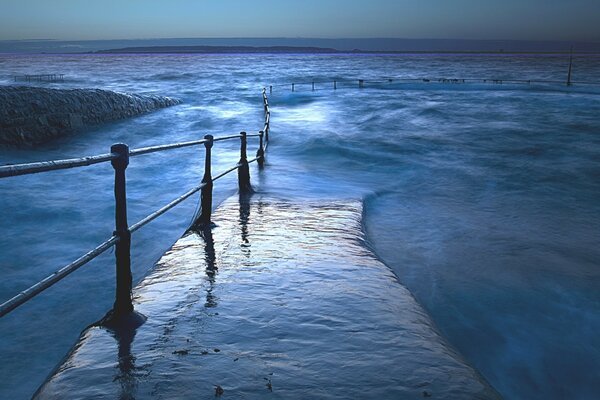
(126, 364)
(211, 266)
(287, 304)
(244, 201)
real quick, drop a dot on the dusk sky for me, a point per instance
(469, 19)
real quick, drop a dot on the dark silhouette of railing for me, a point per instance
(119, 158)
(335, 84)
(40, 78)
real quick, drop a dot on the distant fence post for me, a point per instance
(570, 67)
(243, 169)
(123, 304)
(260, 153)
(361, 83)
(206, 192)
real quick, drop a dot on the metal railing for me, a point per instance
(40, 77)
(119, 158)
(335, 84)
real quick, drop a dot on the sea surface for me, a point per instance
(482, 197)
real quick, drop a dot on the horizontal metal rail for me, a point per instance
(219, 139)
(165, 208)
(222, 174)
(154, 149)
(44, 284)
(43, 166)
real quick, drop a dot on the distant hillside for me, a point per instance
(220, 49)
(297, 45)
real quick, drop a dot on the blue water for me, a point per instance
(482, 198)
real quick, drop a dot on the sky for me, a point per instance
(445, 19)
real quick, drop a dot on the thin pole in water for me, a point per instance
(570, 67)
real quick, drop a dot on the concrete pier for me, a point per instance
(278, 300)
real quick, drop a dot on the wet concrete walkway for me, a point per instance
(280, 300)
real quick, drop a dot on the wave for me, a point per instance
(169, 76)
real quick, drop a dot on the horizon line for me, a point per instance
(597, 40)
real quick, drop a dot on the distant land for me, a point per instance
(220, 50)
(294, 45)
(289, 50)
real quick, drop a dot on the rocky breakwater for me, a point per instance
(32, 115)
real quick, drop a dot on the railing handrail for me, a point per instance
(119, 157)
(426, 79)
(53, 165)
(44, 166)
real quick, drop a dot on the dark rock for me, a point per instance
(32, 115)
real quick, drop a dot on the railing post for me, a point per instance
(268, 129)
(570, 67)
(243, 169)
(260, 153)
(123, 305)
(206, 192)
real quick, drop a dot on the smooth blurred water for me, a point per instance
(482, 198)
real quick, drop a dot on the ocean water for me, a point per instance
(482, 198)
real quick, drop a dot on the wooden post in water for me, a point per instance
(243, 169)
(206, 192)
(123, 305)
(260, 153)
(570, 67)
